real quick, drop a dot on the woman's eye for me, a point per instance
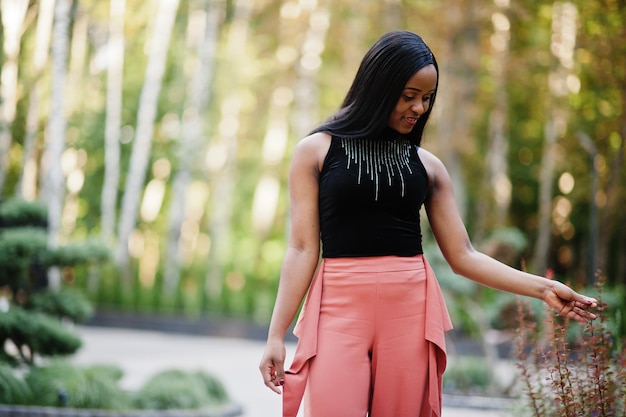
(426, 98)
(408, 98)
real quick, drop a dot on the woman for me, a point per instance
(371, 333)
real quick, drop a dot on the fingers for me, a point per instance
(581, 315)
(273, 376)
(569, 303)
(272, 363)
(585, 306)
(580, 307)
(577, 311)
(583, 301)
(270, 380)
(279, 378)
(569, 295)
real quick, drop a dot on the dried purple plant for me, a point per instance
(566, 376)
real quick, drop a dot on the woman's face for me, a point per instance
(414, 100)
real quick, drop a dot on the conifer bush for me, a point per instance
(63, 304)
(32, 314)
(35, 336)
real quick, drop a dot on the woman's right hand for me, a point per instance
(272, 365)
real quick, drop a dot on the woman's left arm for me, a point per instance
(453, 240)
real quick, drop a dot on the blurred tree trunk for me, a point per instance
(203, 38)
(563, 41)
(497, 179)
(592, 251)
(457, 111)
(305, 87)
(303, 95)
(604, 76)
(77, 59)
(27, 183)
(53, 180)
(76, 97)
(146, 115)
(610, 225)
(13, 14)
(612, 218)
(112, 123)
(458, 63)
(222, 154)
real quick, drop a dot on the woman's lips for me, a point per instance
(411, 120)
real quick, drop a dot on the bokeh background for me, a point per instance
(163, 129)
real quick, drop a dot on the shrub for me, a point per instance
(63, 384)
(34, 333)
(571, 377)
(213, 387)
(66, 303)
(13, 389)
(467, 375)
(77, 253)
(176, 389)
(19, 213)
(31, 313)
(32, 328)
(21, 259)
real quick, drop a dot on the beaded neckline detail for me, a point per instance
(378, 160)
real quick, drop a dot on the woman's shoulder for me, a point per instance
(315, 140)
(434, 167)
(312, 149)
(429, 159)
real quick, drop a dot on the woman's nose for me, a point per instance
(418, 107)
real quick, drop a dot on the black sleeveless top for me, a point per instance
(370, 194)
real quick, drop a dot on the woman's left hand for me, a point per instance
(569, 303)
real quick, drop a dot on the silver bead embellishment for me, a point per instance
(376, 159)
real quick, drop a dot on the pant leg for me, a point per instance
(340, 373)
(400, 351)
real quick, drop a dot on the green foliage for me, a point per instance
(20, 213)
(613, 310)
(449, 281)
(175, 389)
(467, 375)
(24, 252)
(457, 290)
(24, 260)
(21, 252)
(76, 253)
(212, 386)
(13, 389)
(511, 237)
(593, 103)
(63, 384)
(35, 333)
(66, 303)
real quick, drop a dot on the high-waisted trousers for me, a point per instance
(371, 355)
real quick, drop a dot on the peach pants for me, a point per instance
(371, 355)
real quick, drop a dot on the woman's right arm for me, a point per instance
(302, 255)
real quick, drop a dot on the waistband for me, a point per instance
(374, 264)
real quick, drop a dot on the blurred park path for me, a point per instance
(141, 353)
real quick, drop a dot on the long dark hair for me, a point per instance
(377, 86)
